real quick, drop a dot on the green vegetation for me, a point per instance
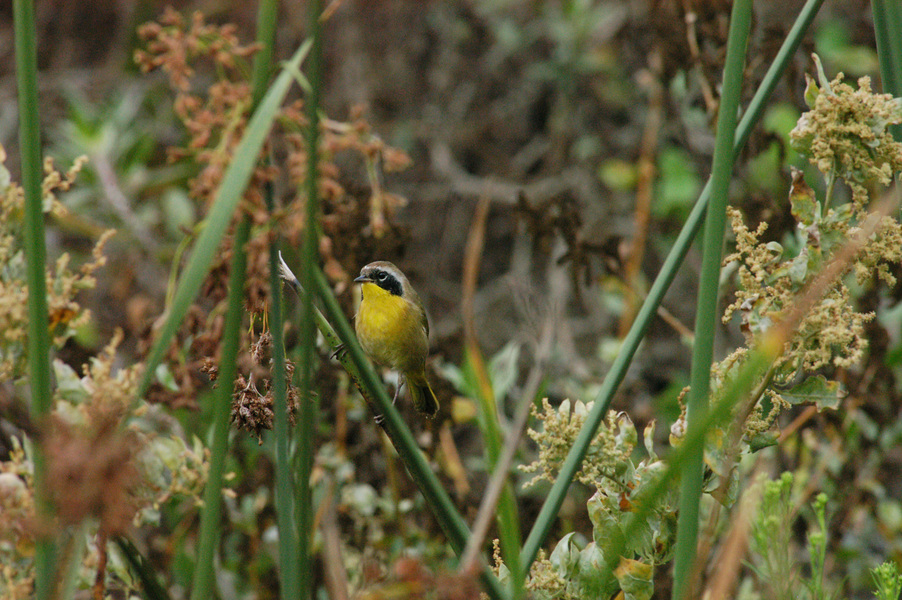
(173, 424)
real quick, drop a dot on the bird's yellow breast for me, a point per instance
(391, 329)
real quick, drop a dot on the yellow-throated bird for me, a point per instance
(392, 328)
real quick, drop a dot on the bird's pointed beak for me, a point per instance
(362, 279)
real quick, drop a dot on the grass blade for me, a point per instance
(662, 282)
(507, 515)
(706, 313)
(230, 192)
(35, 256)
(151, 588)
(290, 574)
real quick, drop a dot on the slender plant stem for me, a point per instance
(709, 280)
(289, 573)
(35, 256)
(508, 518)
(309, 261)
(648, 309)
(210, 516)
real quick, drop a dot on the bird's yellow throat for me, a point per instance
(381, 311)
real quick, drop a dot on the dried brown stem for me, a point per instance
(648, 149)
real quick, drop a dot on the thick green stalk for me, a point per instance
(267, 19)
(888, 31)
(449, 519)
(887, 23)
(35, 257)
(210, 515)
(649, 308)
(706, 315)
(307, 411)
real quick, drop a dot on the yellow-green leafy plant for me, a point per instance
(573, 568)
(845, 135)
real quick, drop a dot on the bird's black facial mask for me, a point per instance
(387, 281)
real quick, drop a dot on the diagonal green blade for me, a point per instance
(230, 191)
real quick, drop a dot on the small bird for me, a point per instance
(392, 328)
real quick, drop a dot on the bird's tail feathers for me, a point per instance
(423, 398)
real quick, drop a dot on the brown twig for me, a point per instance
(335, 575)
(469, 558)
(648, 150)
(453, 465)
(729, 560)
(691, 18)
(100, 578)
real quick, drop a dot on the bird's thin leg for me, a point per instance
(397, 391)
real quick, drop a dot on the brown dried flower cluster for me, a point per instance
(253, 410)
(215, 115)
(92, 474)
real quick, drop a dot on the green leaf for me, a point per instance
(618, 174)
(648, 439)
(68, 383)
(565, 556)
(817, 389)
(166, 378)
(798, 267)
(763, 440)
(594, 580)
(636, 579)
(805, 207)
(811, 91)
(679, 183)
(503, 369)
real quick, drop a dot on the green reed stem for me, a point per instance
(210, 514)
(307, 411)
(35, 257)
(706, 315)
(888, 31)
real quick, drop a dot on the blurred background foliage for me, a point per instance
(588, 126)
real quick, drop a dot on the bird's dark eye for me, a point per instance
(380, 276)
